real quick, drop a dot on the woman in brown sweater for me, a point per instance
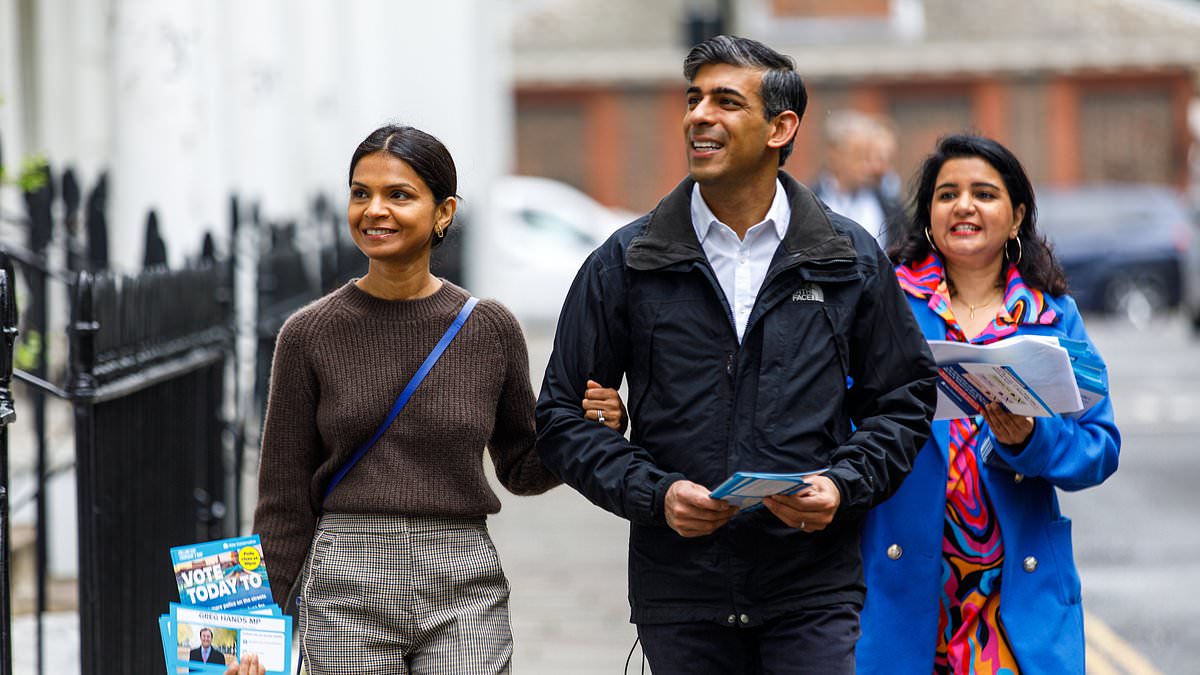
(399, 574)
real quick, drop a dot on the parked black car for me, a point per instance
(1127, 249)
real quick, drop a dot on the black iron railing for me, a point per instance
(8, 415)
(147, 382)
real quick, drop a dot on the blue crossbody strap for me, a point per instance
(407, 393)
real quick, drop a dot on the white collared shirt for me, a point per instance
(741, 264)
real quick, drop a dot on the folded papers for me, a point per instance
(1033, 375)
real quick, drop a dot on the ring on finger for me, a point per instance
(600, 416)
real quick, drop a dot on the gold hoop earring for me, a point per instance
(1020, 251)
(933, 247)
(440, 231)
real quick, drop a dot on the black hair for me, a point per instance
(1035, 257)
(781, 89)
(427, 156)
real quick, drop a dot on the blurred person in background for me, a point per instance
(969, 566)
(883, 166)
(738, 308)
(858, 160)
(397, 571)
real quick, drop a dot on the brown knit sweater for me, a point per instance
(339, 365)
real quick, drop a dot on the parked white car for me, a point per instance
(526, 245)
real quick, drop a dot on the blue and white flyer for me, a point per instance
(226, 574)
(198, 640)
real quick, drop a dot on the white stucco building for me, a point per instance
(187, 101)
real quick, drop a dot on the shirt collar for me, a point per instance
(779, 215)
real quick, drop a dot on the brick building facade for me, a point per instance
(1083, 90)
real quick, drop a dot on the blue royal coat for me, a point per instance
(1040, 591)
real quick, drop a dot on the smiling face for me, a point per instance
(971, 216)
(392, 212)
(728, 136)
(205, 638)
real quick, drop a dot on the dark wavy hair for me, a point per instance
(428, 157)
(781, 88)
(1037, 264)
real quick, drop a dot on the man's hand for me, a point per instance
(692, 513)
(248, 666)
(811, 509)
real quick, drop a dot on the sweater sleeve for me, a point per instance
(511, 446)
(286, 515)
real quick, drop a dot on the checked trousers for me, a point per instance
(404, 594)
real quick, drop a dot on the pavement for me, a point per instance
(566, 561)
(60, 632)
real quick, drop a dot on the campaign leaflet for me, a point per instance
(222, 575)
(231, 636)
(746, 490)
(1031, 375)
(227, 610)
(973, 386)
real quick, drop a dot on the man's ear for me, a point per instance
(783, 129)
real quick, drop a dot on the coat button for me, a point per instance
(1017, 478)
(1030, 564)
(894, 551)
(744, 618)
(732, 619)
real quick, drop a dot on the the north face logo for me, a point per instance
(809, 293)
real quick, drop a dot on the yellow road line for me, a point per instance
(1103, 642)
(1098, 663)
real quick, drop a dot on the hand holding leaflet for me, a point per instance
(269, 637)
(746, 490)
(227, 622)
(1031, 375)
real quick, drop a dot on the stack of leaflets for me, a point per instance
(1091, 375)
(225, 610)
(746, 490)
(1033, 375)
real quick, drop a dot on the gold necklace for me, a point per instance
(972, 308)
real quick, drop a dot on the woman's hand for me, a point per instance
(605, 406)
(1008, 428)
(248, 666)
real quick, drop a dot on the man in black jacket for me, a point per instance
(759, 332)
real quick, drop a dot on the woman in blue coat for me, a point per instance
(969, 566)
